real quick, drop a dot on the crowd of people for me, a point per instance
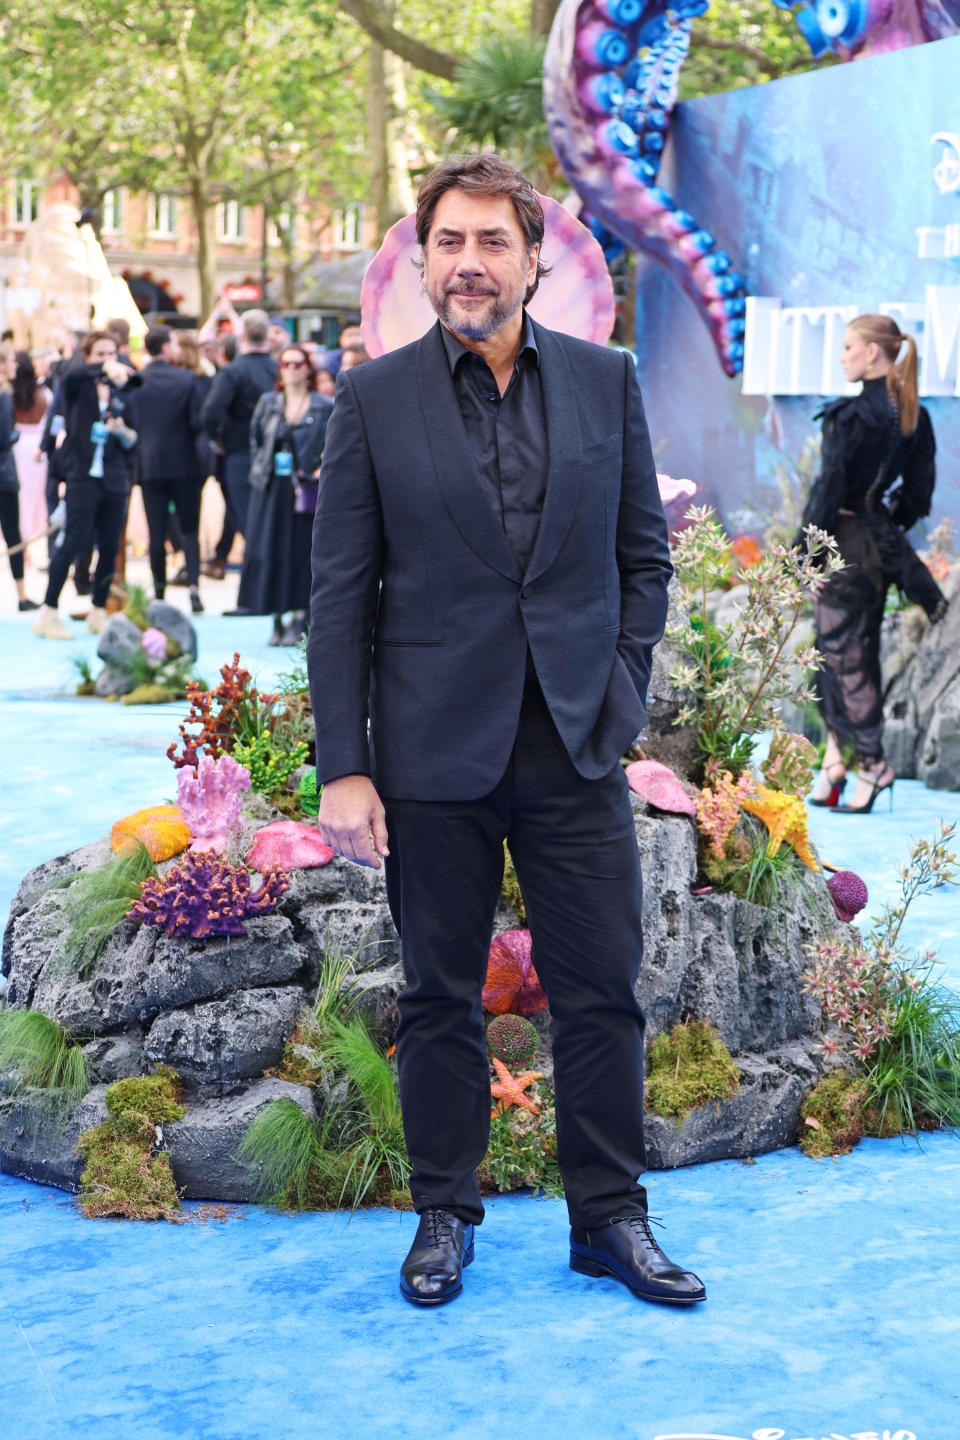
(80, 427)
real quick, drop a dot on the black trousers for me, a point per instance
(157, 497)
(575, 852)
(93, 514)
(10, 529)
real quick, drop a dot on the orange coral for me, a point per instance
(510, 1088)
(512, 986)
(786, 820)
(747, 551)
(161, 828)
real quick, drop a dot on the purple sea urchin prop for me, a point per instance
(512, 1040)
(205, 895)
(848, 893)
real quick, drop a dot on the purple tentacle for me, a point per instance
(610, 85)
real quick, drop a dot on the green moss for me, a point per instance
(122, 1176)
(156, 1096)
(688, 1068)
(832, 1119)
(510, 892)
(149, 693)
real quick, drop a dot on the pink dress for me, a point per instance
(32, 476)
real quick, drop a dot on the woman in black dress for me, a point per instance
(870, 442)
(287, 435)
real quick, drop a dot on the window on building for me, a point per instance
(111, 212)
(163, 215)
(346, 226)
(26, 201)
(231, 220)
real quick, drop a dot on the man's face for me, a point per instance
(102, 350)
(476, 269)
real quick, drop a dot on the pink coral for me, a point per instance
(288, 845)
(718, 808)
(154, 644)
(210, 801)
(676, 497)
(659, 786)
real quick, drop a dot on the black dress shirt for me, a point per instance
(508, 435)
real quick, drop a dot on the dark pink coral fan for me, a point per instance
(848, 893)
(205, 895)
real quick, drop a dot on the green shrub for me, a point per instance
(522, 1153)
(687, 1068)
(36, 1051)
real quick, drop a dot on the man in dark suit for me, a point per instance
(228, 409)
(168, 464)
(490, 574)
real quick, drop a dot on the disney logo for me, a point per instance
(778, 1434)
(946, 172)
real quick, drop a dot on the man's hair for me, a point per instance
(120, 330)
(489, 175)
(88, 341)
(157, 336)
(256, 326)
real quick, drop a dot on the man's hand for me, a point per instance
(115, 372)
(351, 820)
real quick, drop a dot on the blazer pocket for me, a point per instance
(603, 449)
(410, 643)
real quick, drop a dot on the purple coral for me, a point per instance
(848, 893)
(205, 895)
(210, 800)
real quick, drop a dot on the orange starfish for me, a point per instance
(510, 1089)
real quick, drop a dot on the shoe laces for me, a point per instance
(641, 1224)
(438, 1224)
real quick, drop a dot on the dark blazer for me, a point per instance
(8, 438)
(81, 408)
(419, 610)
(228, 409)
(169, 406)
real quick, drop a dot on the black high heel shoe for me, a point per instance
(875, 790)
(831, 800)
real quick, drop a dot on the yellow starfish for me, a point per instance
(510, 1089)
(785, 818)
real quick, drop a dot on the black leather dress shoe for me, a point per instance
(432, 1273)
(626, 1250)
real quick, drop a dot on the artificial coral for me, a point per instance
(659, 786)
(786, 820)
(270, 764)
(161, 828)
(210, 800)
(288, 845)
(205, 895)
(790, 763)
(848, 893)
(512, 1040)
(718, 808)
(512, 985)
(238, 706)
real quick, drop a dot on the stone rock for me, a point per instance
(202, 1147)
(115, 1057)
(37, 1148)
(119, 641)
(174, 623)
(113, 680)
(921, 672)
(222, 1041)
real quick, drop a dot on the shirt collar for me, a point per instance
(455, 350)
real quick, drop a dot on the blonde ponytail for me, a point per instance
(902, 387)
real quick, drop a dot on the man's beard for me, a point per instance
(484, 324)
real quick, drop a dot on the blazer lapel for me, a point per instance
(454, 463)
(564, 446)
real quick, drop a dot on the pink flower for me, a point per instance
(154, 644)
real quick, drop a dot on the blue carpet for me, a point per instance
(833, 1309)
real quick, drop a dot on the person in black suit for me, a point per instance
(490, 568)
(170, 403)
(228, 409)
